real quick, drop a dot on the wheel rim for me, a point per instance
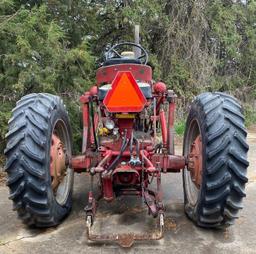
(60, 152)
(193, 172)
(195, 161)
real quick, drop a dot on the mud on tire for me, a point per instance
(220, 124)
(28, 160)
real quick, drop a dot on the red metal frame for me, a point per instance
(163, 128)
(106, 74)
(85, 108)
(171, 117)
(126, 178)
(95, 122)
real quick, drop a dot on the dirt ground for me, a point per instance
(128, 214)
(2, 178)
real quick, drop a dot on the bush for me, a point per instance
(180, 127)
(250, 115)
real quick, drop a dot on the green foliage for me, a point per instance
(5, 115)
(194, 45)
(250, 115)
(180, 127)
(75, 117)
(36, 57)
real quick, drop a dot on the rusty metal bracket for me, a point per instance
(151, 203)
(125, 240)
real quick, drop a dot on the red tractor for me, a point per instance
(123, 115)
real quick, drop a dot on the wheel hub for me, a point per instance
(58, 162)
(196, 161)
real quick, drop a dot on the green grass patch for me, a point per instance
(180, 127)
(250, 115)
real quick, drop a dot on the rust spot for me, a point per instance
(126, 241)
(170, 224)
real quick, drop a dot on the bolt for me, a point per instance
(92, 171)
(132, 163)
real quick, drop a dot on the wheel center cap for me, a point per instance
(195, 163)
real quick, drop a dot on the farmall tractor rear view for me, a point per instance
(123, 115)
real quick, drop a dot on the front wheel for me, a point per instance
(216, 149)
(37, 160)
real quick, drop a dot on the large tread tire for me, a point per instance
(223, 133)
(28, 160)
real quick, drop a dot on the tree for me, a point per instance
(194, 45)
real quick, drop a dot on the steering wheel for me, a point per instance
(116, 48)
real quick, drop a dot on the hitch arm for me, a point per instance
(125, 240)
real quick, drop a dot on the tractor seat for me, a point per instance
(115, 61)
(144, 87)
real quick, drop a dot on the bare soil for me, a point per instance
(2, 178)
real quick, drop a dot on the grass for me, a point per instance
(180, 127)
(250, 115)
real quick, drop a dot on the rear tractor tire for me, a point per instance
(215, 145)
(37, 154)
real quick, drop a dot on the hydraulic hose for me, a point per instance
(117, 159)
(137, 147)
(131, 143)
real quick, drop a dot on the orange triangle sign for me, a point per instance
(125, 95)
